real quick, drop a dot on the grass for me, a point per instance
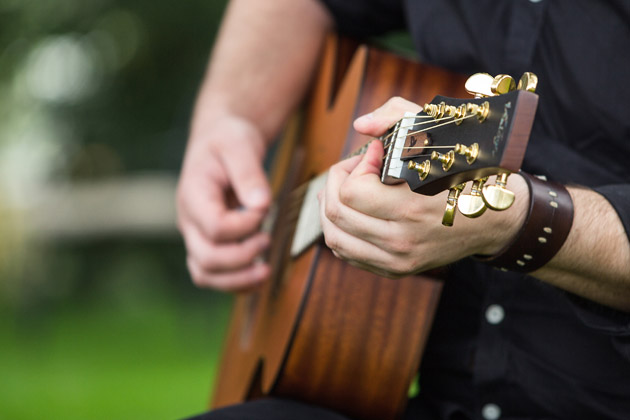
(100, 360)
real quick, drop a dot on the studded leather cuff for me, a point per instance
(545, 229)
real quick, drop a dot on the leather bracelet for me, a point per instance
(546, 227)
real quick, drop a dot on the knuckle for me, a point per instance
(208, 262)
(212, 230)
(200, 282)
(218, 285)
(347, 194)
(249, 251)
(335, 171)
(400, 245)
(332, 241)
(196, 275)
(394, 101)
(403, 268)
(400, 104)
(331, 211)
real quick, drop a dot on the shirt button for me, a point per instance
(535, 1)
(491, 412)
(495, 314)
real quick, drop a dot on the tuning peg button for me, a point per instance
(479, 85)
(502, 84)
(472, 205)
(529, 81)
(498, 197)
(451, 205)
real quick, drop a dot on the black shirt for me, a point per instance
(505, 345)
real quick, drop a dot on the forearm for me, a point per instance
(594, 262)
(262, 62)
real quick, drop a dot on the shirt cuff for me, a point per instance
(601, 318)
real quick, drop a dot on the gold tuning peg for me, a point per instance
(472, 205)
(423, 168)
(501, 84)
(528, 81)
(446, 159)
(479, 85)
(471, 152)
(496, 196)
(451, 204)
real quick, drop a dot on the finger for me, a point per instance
(377, 122)
(221, 257)
(346, 166)
(371, 161)
(363, 191)
(240, 281)
(347, 218)
(368, 163)
(386, 235)
(369, 196)
(247, 177)
(377, 271)
(350, 247)
(203, 205)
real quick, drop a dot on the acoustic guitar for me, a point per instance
(323, 331)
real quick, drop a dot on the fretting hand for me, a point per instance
(393, 231)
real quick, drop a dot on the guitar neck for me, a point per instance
(309, 228)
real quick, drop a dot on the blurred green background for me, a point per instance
(98, 317)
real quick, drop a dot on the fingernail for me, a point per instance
(258, 197)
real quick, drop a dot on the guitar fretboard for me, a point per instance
(309, 228)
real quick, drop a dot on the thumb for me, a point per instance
(247, 178)
(377, 122)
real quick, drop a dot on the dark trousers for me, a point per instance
(281, 409)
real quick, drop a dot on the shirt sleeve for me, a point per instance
(363, 18)
(605, 320)
(599, 317)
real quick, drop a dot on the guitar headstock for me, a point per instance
(454, 141)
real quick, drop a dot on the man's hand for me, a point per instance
(393, 231)
(222, 198)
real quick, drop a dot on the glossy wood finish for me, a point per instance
(330, 333)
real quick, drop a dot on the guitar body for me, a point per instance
(320, 330)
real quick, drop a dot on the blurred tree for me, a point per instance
(105, 327)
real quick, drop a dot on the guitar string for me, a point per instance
(441, 125)
(297, 194)
(426, 129)
(419, 123)
(386, 145)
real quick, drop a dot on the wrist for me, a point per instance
(218, 127)
(547, 224)
(502, 227)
